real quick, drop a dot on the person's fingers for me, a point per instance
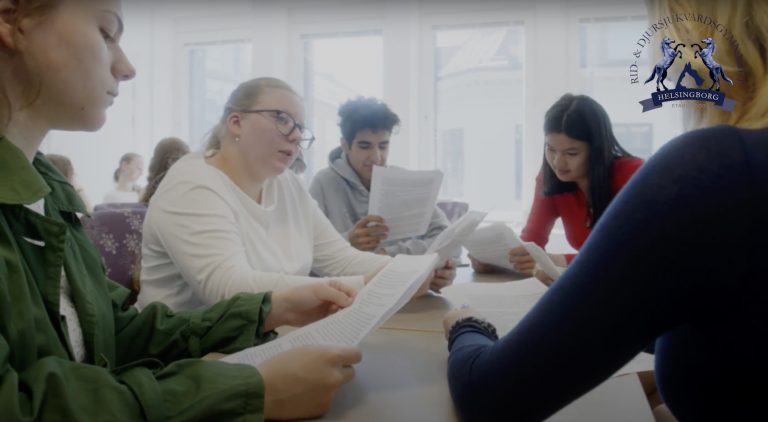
(528, 266)
(369, 247)
(346, 289)
(520, 259)
(477, 266)
(347, 356)
(449, 264)
(372, 218)
(545, 279)
(361, 223)
(366, 245)
(359, 235)
(443, 278)
(326, 293)
(369, 239)
(375, 231)
(520, 250)
(375, 238)
(542, 276)
(347, 373)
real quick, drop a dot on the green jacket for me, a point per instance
(137, 366)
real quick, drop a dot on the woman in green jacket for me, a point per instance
(70, 348)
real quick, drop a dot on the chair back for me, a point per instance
(117, 234)
(118, 206)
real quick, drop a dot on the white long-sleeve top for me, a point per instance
(205, 240)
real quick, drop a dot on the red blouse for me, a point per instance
(572, 208)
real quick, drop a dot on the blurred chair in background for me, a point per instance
(117, 234)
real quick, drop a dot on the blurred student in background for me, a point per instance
(167, 152)
(65, 167)
(128, 172)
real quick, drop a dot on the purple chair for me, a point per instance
(453, 209)
(118, 206)
(117, 235)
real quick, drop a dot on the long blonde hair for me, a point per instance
(743, 54)
(24, 75)
(243, 97)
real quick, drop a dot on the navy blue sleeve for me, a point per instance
(639, 276)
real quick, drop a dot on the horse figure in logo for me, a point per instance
(688, 70)
(669, 54)
(707, 56)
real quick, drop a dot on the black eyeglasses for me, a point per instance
(286, 124)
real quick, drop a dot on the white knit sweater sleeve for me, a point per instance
(197, 231)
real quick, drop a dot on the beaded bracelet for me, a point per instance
(480, 323)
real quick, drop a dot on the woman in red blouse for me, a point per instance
(584, 167)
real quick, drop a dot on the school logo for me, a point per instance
(690, 85)
(681, 92)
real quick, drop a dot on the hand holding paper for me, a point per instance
(308, 303)
(392, 288)
(491, 245)
(405, 199)
(543, 260)
(451, 239)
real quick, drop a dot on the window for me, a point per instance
(337, 67)
(606, 45)
(608, 42)
(215, 70)
(479, 113)
(637, 139)
(453, 162)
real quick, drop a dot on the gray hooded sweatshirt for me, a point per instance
(344, 200)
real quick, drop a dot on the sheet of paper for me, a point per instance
(543, 259)
(491, 245)
(392, 288)
(450, 240)
(642, 362)
(406, 199)
(503, 304)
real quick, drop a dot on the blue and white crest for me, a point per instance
(681, 92)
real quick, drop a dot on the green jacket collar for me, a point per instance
(22, 182)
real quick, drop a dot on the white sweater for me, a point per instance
(205, 240)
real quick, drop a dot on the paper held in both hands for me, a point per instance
(454, 236)
(405, 199)
(392, 288)
(491, 245)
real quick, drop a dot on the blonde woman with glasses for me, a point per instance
(234, 220)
